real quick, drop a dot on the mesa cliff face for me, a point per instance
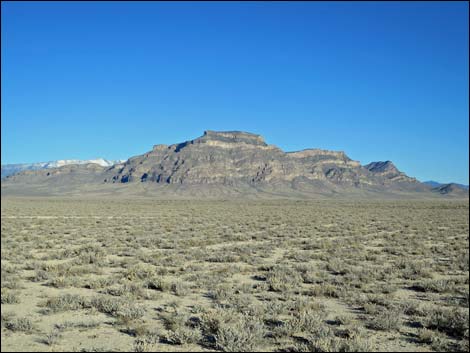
(233, 157)
(224, 164)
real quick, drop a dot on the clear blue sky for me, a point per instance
(381, 81)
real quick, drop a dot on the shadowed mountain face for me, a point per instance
(383, 168)
(452, 189)
(387, 170)
(435, 184)
(231, 158)
(228, 163)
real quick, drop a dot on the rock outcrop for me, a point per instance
(451, 189)
(234, 157)
(388, 172)
(230, 162)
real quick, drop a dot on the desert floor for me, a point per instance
(148, 275)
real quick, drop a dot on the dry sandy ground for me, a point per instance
(124, 275)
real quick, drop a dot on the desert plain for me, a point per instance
(269, 275)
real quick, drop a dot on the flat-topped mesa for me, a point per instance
(225, 164)
(231, 137)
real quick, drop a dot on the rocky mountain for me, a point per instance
(436, 184)
(233, 157)
(225, 164)
(387, 170)
(452, 188)
(10, 169)
(432, 183)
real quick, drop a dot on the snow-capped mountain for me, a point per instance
(102, 162)
(9, 169)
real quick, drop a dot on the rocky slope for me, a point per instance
(436, 184)
(233, 157)
(225, 164)
(451, 189)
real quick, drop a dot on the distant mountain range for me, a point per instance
(436, 184)
(10, 169)
(225, 164)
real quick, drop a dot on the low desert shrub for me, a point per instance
(22, 324)
(10, 297)
(66, 302)
(386, 320)
(453, 321)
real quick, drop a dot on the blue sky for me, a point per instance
(381, 81)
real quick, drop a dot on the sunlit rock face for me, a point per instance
(231, 137)
(236, 157)
(221, 163)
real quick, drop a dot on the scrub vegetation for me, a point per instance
(285, 276)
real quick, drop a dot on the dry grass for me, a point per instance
(109, 275)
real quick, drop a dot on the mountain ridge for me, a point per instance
(434, 184)
(227, 163)
(10, 169)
